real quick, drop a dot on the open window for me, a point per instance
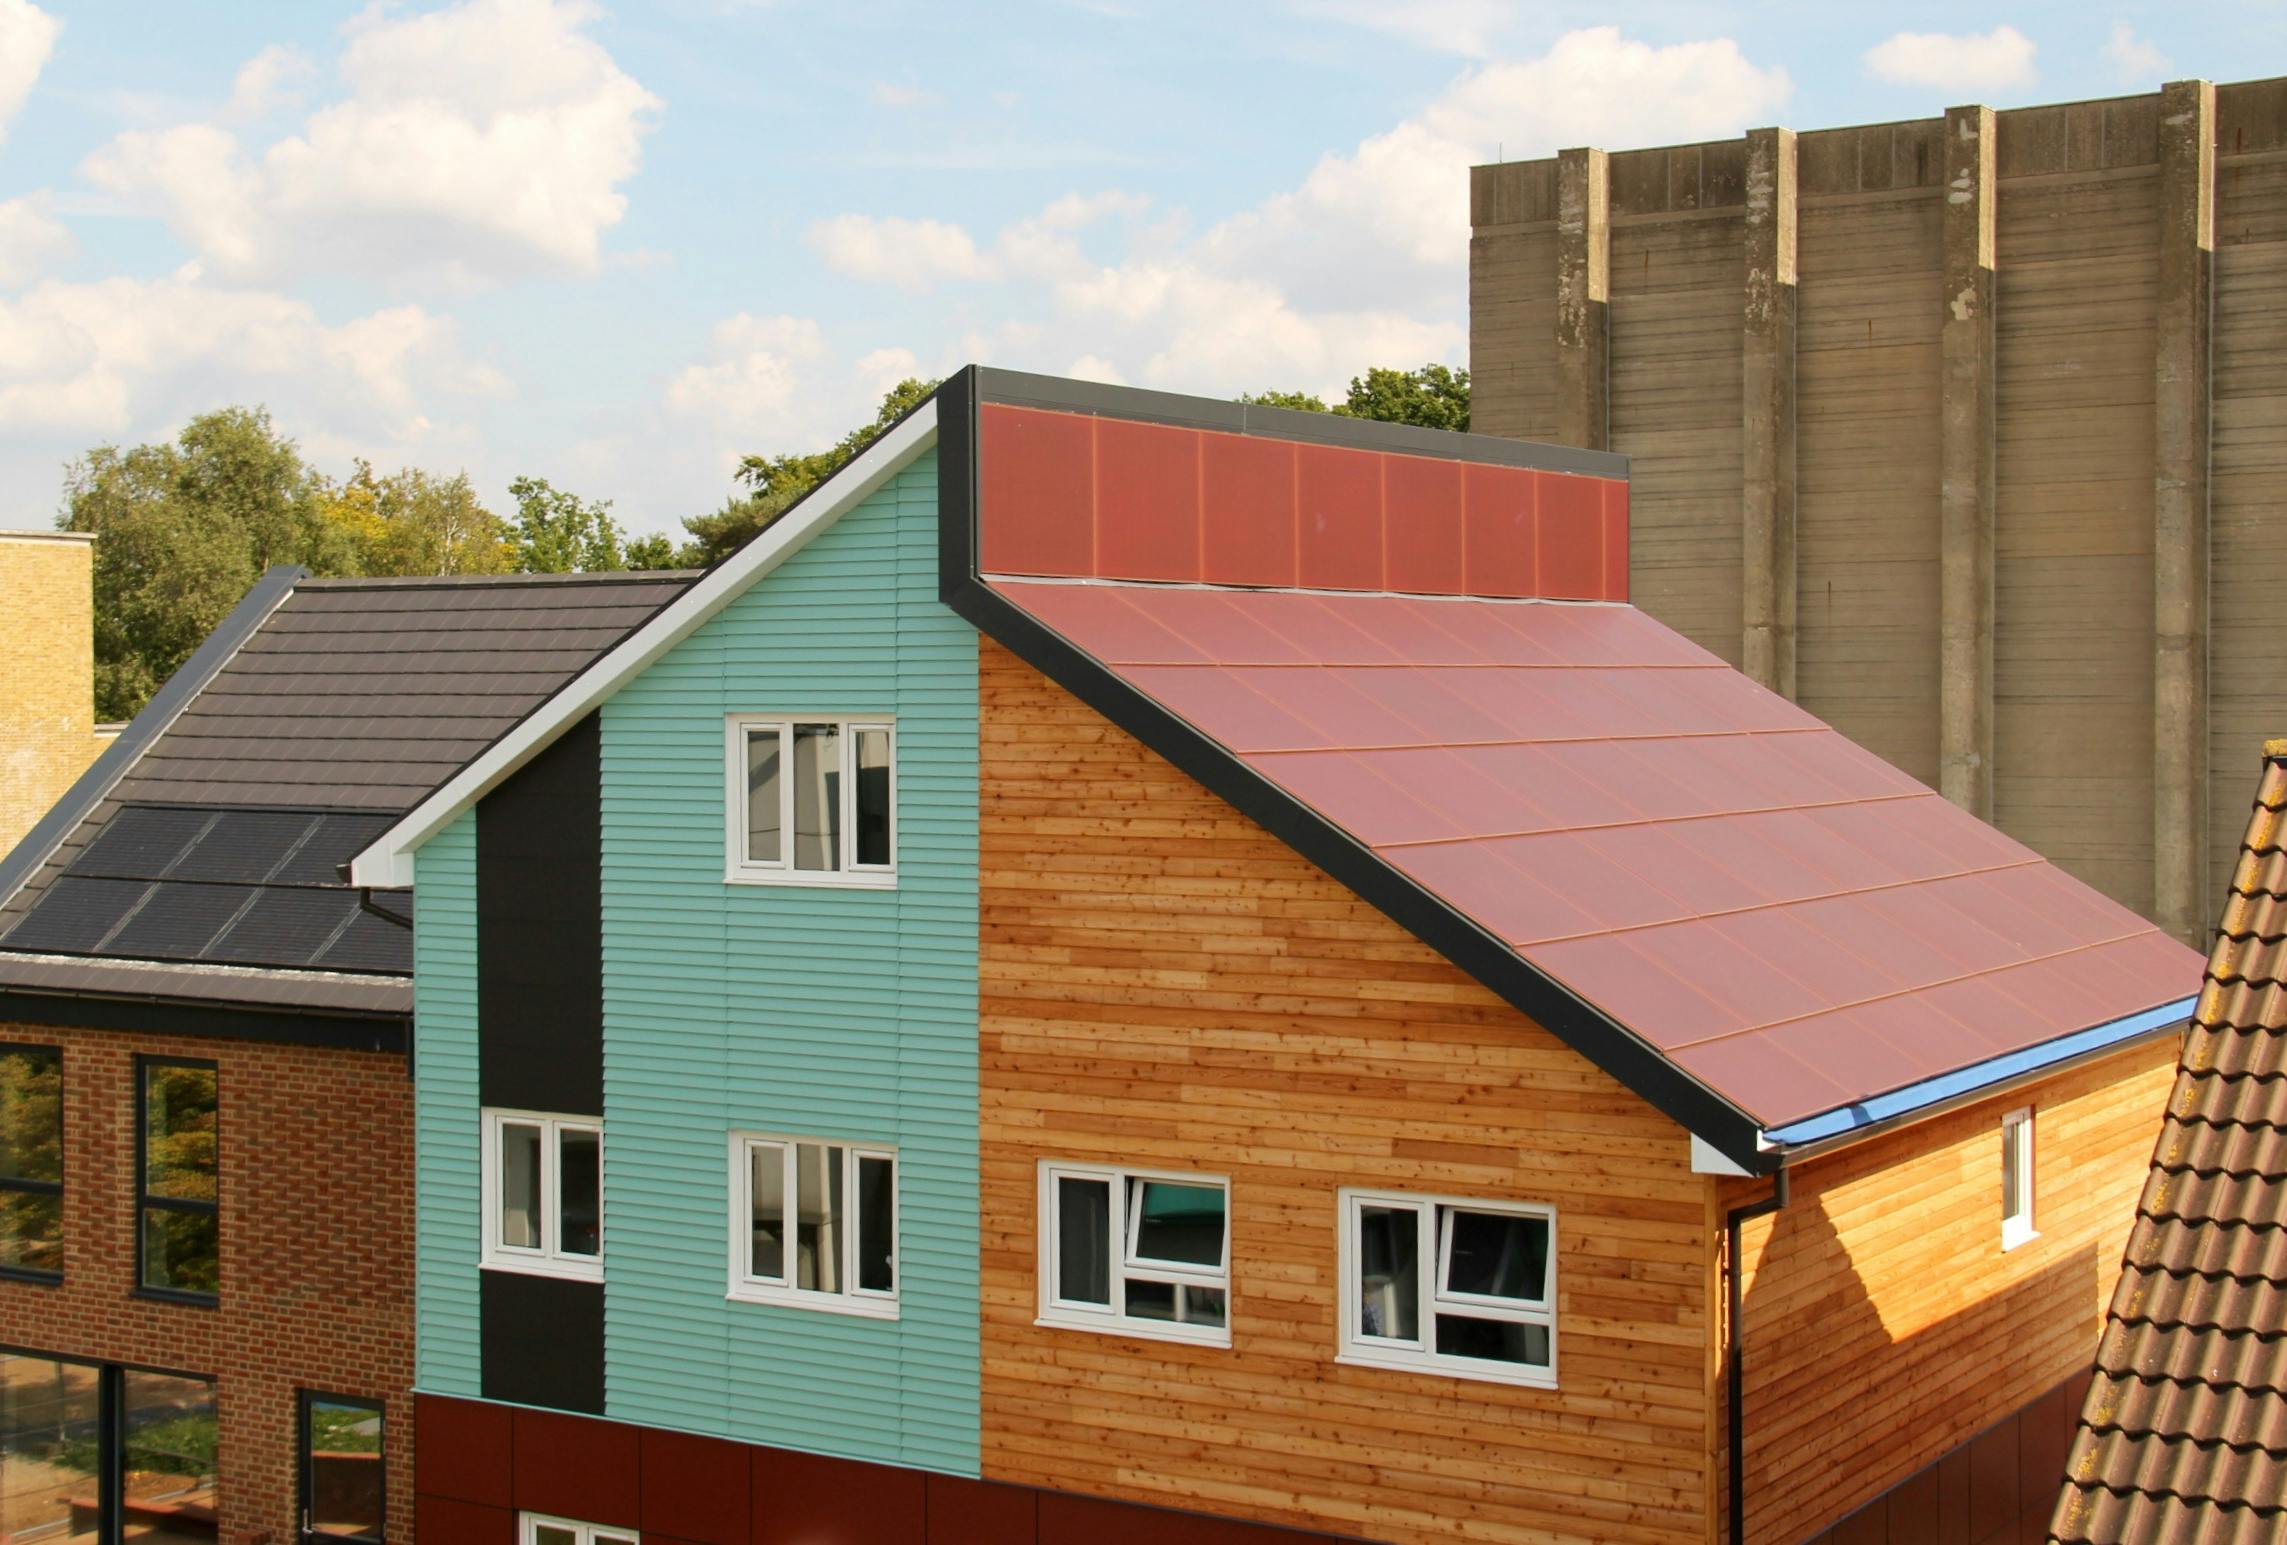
(1449, 1285)
(814, 1224)
(812, 801)
(2017, 1178)
(543, 1193)
(1135, 1251)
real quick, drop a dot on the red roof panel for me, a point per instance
(1795, 922)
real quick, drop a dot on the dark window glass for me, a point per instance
(520, 1185)
(819, 1218)
(1493, 1341)
(179, 1172)
(167, 1458)
(342, 1460)
(1179, 1224)
(1389, 1272)
(1497, 1255)
(1083, 1240)
(50, 1426)
(769, 1161)
(762, 796)
(817, 796)
(873, 797)
(877, 1225)
(1181, 1303)
(579, 1191)
(31, 1161)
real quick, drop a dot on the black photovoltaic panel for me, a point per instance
(73, 914)
(139, 841)
(338, 839)
(285, 927)
(244, 845)
(178, 921)
(371, 944)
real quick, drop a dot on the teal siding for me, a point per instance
(446, 1239)
(815, 1011)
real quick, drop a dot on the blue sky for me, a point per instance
(617, 245)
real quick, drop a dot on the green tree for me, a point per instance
(774, 483)
(558, 532)
(1433, 397)
(415, 522)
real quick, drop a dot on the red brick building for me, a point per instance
(206, 1116)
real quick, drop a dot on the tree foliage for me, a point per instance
(558, 532)
(1433, 397)
(415, 522)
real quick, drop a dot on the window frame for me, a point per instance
(1123, 1265)
(1434, 1252)
(738, 869)
(549, 1260)
(145, 1202)
(528, 1524)
(112, 1433)
(305, 1467)
(54, 1188)
(2017, 1212)
(747, 1288)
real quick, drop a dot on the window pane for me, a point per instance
(1493, 1341)
(579, 1193)
(1389, 1272)
(762, 796)
(767, 1164)
(2013, 1186)
(1084, 1241)
(168, 1428)
(873, 797)
(817, 796)
(48, 1430)
(179, 1132)
(31, 1233)
(877, 1225)
(819, 1217)
(1179, 1303)
(550, 1534)
(179, 1250)
(1497, 1255)
(1179, 1224)
(343, 1450)
(31, 1116)
(520, 1185)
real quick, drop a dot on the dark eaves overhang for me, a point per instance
(346, 1011)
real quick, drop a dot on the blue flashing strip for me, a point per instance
(1898, 1102)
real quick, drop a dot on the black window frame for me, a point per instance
(304, 1467)
(146, 1202)
(111, 1427)
(54, 1188)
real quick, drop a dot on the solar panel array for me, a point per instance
(225, 886)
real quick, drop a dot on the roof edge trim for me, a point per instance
(1977, 1081)
(262, 598)
(387, 862)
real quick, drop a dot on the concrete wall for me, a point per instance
(1966, 433)
(47, 674)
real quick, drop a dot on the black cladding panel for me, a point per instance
(541, 1341)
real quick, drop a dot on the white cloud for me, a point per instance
(752, 383)
(1467, 27)
(277, 77)
(911, 254)
(2139, 62)
(31, 239)
(890, 94)
(27, 37)
(122, 356)
(482, 141)
(2000, 60)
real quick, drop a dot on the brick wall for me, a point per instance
(47, 674)
(317, 1232)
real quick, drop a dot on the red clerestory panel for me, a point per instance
(1783, 915)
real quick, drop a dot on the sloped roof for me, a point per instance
(205, 846)
(2184, 1434)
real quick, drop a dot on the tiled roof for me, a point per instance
(219, 838)
(2184, 1437)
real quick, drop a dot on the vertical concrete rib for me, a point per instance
(1767, 593)
(1583, 287)
(1966, 450)
(2180, 446)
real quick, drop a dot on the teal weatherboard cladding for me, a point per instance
(446, 1113)
(803, 1010)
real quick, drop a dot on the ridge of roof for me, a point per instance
(496, 581)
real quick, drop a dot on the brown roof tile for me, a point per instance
(2184, 1434)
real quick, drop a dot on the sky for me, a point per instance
(618, 245)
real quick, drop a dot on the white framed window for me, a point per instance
(1449, 1285)
(2017, 1178)
(814, 1224)
(540, 1529)
(812, 800)
(1140, 1252)
(543, 1193)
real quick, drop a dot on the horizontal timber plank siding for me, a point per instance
(446, 1360)
(1165, 984)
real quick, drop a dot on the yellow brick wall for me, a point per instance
(47, 674)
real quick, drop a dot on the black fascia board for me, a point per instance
(1014, 388)
(219, 1021)
(190, 678)
(1581, 1025)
